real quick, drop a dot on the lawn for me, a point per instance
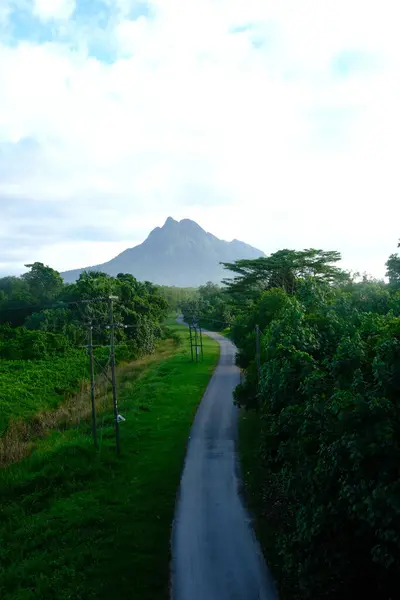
(80, 524)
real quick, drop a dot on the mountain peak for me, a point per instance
(184, 224)
(190, 226)
(176, 229)
(170, 221)
(189, 222)
(179, 253)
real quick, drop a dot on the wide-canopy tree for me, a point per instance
(21, 296)
(282, 269)
(44, 282)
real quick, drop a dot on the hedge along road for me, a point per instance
(215, 554)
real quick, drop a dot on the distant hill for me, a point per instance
(180, 253)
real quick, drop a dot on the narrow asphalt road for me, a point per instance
(215, 554)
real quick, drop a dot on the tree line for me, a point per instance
(42, 316)
(327, 394)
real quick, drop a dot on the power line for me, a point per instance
(110, 362)
(100, 324)
(191, 341)
(195, 335)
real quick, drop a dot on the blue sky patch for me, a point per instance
(140, 9)
(23, 25)
(352, 62)
(242, 28)
(95, 11)
(91, 23)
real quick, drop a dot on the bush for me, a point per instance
(21, 344)
(329, 402)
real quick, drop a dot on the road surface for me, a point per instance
(215, 555)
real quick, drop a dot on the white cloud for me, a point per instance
(251, 133)
(54, 9)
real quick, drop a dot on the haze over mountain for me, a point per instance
(180, 253)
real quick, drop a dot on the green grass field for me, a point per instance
(80, 524)
(28, 386)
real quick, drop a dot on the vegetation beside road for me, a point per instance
(28, 387)
(319, 438)
(44, 327)
(320, 429)
(76, 523)
(210, 307)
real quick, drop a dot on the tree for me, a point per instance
(282, 269)
(40, 301)
(16, 300)
(393, 270)
(175, 296)
(45, 284)
(328, 401)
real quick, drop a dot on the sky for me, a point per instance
(276, 123)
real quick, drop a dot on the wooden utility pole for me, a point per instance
(196, 343)
(113, 376)
(201, 345)
(191, 341)
(92, 384)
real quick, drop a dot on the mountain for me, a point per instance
(180, 253)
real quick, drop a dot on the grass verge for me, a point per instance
(80, 524)
(23, 435)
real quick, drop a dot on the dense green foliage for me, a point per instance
(282, 269)
(44, 326)
(209, 308)
(40, 301)
(30, 386)
(80, 524)
(22, 343)
(176, 296)
(328, 404)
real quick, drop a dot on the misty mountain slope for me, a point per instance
(180, 253)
